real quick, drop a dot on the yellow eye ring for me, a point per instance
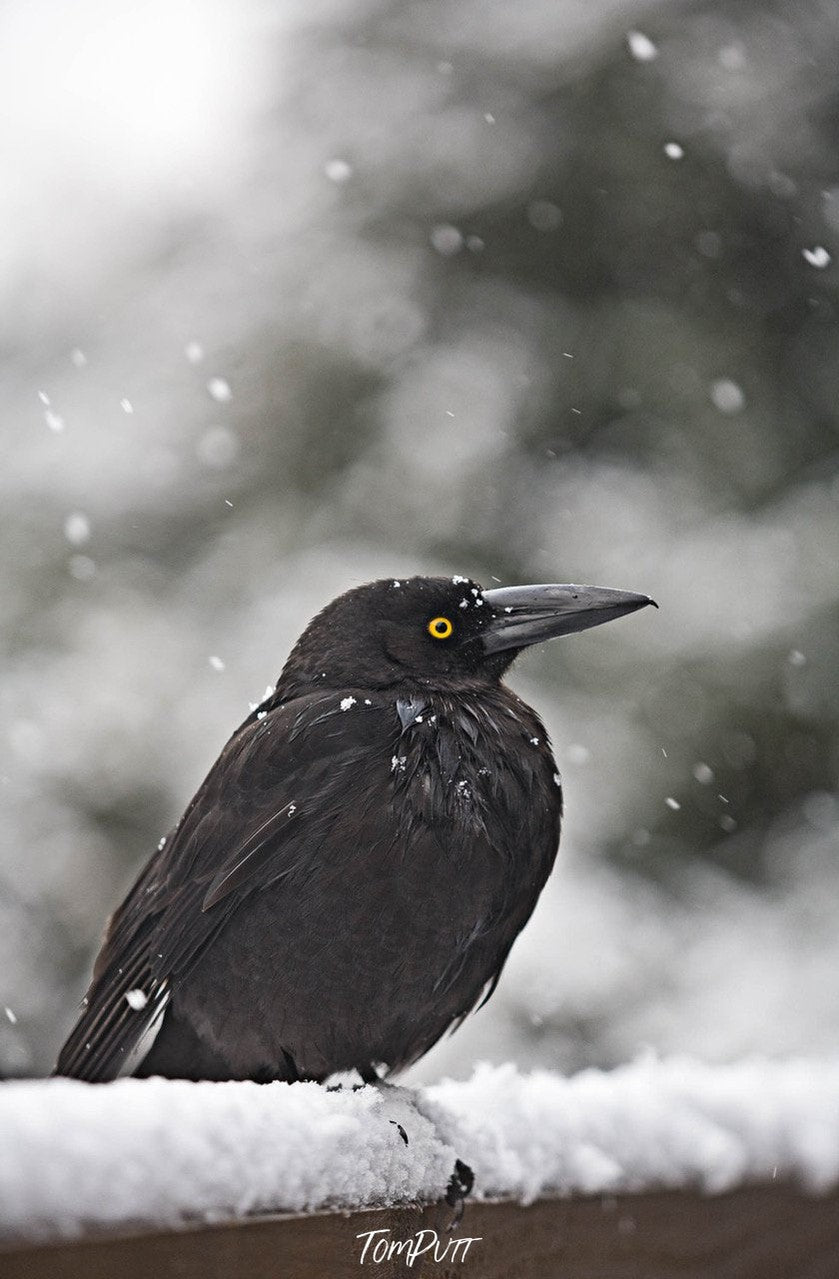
(440, 628)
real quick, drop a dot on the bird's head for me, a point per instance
(440, 632)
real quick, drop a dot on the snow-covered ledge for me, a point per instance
(75, 1157)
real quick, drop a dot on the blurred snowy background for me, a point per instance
(299, 294)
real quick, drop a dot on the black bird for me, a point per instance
(348, 881)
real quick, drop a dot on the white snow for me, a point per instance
(673, 151)
(447, 240)
(136, 999)
(77, 528)
(347, 703)
(338, 170)
(727, 396)
(817, 257)
(640, 46)
(161, 1152)
(220, 390)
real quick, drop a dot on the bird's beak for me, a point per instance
(526, 615)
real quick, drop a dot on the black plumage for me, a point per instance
(346, 884)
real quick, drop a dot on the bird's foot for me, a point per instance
(459, 1188)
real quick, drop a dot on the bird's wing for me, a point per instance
(283, 777)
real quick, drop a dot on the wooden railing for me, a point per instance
(769, 1231)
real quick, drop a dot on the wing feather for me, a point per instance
(242, 831)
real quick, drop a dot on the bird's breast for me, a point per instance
(473, 763)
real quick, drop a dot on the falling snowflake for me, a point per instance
(640, 46)
(338, 170)
(77, 528)
(727, 396)
(447, 240)
(817, 257)
(220, 390)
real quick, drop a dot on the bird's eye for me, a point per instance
(440, 628)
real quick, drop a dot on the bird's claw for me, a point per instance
(459, 1188)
